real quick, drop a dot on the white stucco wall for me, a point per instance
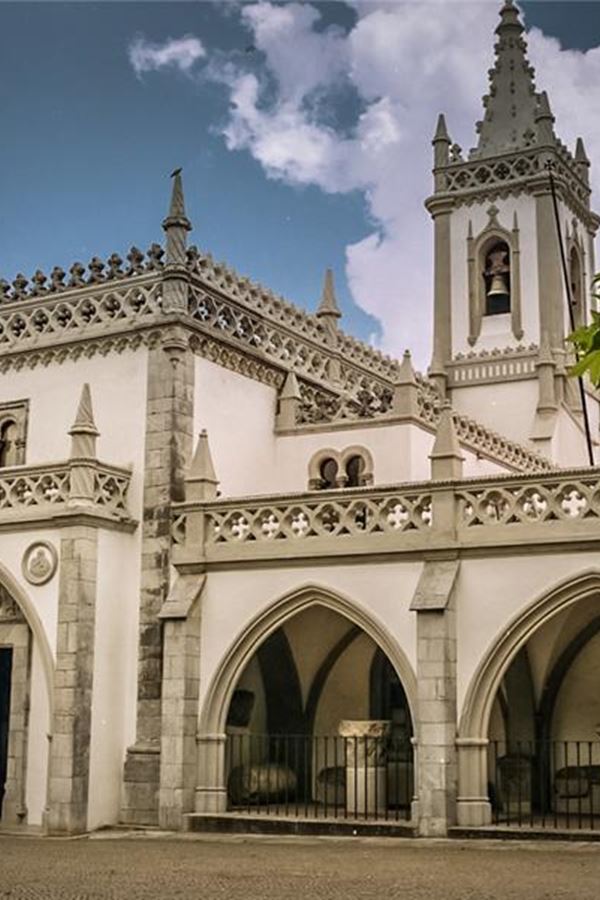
(508, 408)
(239, 415)
(37, 740)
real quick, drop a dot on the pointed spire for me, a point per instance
(290, 401)
(176, 226)
(510, 105)
(291, 388)
(328, 305)
(406, 391)
(83, 431)
(582, 160)
(441, 131)
(446, 457)
(201, 482)
(441, 144)
(580, 154)
(544, 120)
(177, 223)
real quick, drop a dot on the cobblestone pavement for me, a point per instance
(260, 868)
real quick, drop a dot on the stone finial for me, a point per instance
(201, 482)
(176, 226)
(290, 401)
(582, 160)
(177, 220)
(328, 310)
(83, 430)
(509, 19)
(446, 457)
(544, 120)
(406, 390)
(510, 105)
(328, 305)
(441, 143)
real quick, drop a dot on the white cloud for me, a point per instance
(179, 53)
(407, 62)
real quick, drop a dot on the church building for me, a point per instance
(254, 571)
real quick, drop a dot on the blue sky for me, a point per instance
(87, 144)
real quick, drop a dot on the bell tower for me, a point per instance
(501, 312)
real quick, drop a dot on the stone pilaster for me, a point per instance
(436, 774)
(180, 691)
(169, 425)
(551, 304)
(73, 681)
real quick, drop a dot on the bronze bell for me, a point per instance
(498, 286)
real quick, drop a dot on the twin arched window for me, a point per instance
(329, 469)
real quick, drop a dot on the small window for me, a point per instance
(328, 472)
(576, 279)
(9, 435)
(13, 432)
(496, 275)
(329, 468)
(354, 470)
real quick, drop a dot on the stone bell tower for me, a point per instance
(501, 312)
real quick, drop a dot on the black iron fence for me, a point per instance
(547, 784)
(364, 778)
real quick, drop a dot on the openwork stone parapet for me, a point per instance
(529, 511)
(30, 494)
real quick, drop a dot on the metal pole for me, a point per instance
(563, 259)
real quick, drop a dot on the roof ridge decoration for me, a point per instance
(96, 271)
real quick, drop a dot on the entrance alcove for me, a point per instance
(284, 752)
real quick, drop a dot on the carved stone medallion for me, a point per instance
(39, 562)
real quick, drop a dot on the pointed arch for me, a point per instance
(37, 629)
(213, 713)
(486, 680)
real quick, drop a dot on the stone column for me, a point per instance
(71, 726)
(169, 422)
(180, 691)
(211, 788)
(473, 805)
(365, 753)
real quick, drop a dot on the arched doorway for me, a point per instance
(536, 702)
(316, 715)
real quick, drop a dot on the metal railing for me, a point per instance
(545, 784)
(304, 776)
